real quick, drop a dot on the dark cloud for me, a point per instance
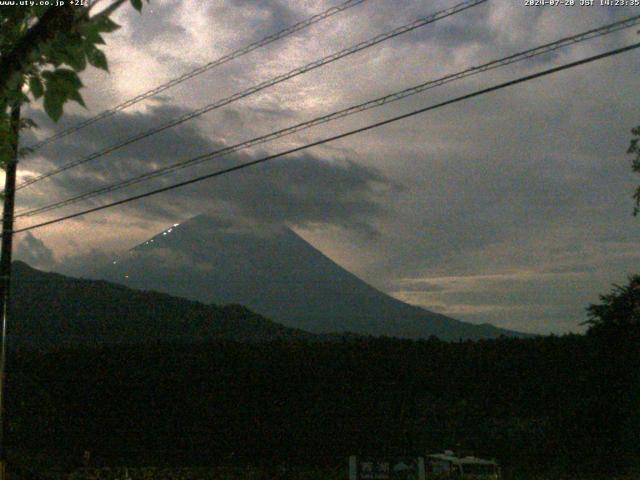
(298, 190)
(34, 252)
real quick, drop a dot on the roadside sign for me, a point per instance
(363, 468)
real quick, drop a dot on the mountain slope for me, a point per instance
(54, 310)
(276, 273)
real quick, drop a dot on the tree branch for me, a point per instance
(54, 21)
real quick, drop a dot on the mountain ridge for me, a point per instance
(276, 273)
(54, 310)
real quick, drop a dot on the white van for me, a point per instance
(447, 465)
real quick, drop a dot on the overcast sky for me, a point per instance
(513, 208)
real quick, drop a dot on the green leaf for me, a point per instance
(91, 33)
(137, 4)
(53, 101)
(76, 97)
(94, 38)
(39, 10)
(36, 87)
(68, 78)
(74, 57)
(61, 85)
(105, 24)
(98, 59)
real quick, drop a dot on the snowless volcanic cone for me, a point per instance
(273, 271)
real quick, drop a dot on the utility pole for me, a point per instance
(5, 273)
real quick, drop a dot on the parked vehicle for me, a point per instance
(448, 466)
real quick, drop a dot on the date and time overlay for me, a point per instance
(581, 3)
(526, 3)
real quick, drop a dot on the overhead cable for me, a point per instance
(517, 57)
(334, 137)
(197, 71)
(261, 86)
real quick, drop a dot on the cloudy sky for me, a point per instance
(513, 208)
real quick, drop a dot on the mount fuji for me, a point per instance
(274, 272)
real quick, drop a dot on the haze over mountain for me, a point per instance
(273, 271)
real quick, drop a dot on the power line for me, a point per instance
(525, 55)
(263, 85)
(203, 68)
(337, 137)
